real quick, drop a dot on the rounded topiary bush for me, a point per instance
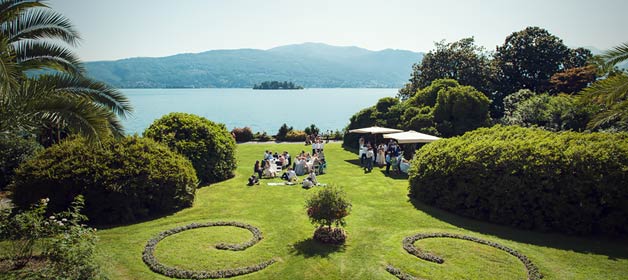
(529, 178)
(208, 145)
(122, 181)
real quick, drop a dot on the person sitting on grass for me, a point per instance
(310, 180)
(269, 172)
(253, 180)
(291, 176)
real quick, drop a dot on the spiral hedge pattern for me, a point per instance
(408, 244)
(148, 256)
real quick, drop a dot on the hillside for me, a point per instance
(308, 64)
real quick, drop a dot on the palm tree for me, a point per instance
(41, 79)
(610, 93)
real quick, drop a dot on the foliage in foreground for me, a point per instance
(208, 145)
(13, 151)
(125, 180)
(34, 37)
(529, 178)
(67, 245)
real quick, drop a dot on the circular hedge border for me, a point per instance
(148, 256)
(408, 245)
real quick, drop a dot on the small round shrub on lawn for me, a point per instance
(122, 181)
(529, 178)
(329, 206)
(209, 145)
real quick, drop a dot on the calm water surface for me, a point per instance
(262, 110)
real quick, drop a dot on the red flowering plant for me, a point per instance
(328, 207)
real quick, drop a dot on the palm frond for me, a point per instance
(41, 23)
(608, 91)
(39, 102)
(617, 113)
(39, 54)
(10, 9)
(9, 70)
(616, 55)
(97, 92)
(77, 114)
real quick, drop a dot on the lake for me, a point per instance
(261, 110)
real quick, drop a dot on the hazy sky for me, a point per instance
(113, 29)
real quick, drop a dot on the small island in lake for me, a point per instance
(276, 85)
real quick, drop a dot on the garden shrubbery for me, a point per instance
(60, 246)
(295, 136)
(208, 145)
(13, 151)
(244, 134)
(122, 181)
(529, 178)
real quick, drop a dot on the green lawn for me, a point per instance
(381, 217)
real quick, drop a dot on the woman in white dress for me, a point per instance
(381, 155)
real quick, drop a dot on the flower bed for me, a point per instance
(408, 245)
(328, 235)
(149, 253)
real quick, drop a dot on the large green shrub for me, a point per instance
(460, 109)
(363, 118)
(13, 151)
(244, 134)
(555, 113)
(124, 180)
(208, 145)
(529, 178)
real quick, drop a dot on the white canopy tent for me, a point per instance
(409, 137)
(375, 130)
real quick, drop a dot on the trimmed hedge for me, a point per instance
(148, 256)
(125, 180)
(209, 145)
(529, 178)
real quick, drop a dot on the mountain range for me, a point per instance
(307, 64)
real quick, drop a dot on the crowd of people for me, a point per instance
(389, 154)
(305, 163)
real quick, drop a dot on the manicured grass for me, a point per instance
(381, 217)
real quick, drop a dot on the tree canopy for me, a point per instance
(461, 60)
